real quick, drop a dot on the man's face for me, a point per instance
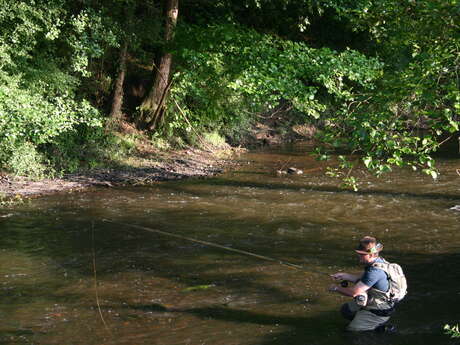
(366, 259)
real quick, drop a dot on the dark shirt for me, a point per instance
(375, 277)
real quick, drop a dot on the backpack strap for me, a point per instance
(384, 267)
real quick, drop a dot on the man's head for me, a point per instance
(368, 249)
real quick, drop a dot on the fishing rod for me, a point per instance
(215, 245)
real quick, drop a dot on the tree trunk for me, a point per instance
(152, 108)
(117, 102)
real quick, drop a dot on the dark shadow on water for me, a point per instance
(324, 329)
(219, 181)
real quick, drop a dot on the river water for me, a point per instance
(68, 277)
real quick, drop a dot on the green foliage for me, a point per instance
(83, 147)
(90, 35)
(416, 103)
(223, 78)
(160, 143)
(343, 172)
(26, 161)
(31, 117)
(8, 201)
(38, 85)
(214, 139)
(393, 106)
(453, 331)
(24, 25)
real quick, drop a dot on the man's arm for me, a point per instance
(358, 289)
(347, 276)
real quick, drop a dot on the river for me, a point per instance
(69, 277)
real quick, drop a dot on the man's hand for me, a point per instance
(358, 289)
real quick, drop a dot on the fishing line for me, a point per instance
(211, 244)
(95, 279)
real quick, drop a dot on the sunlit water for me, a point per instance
(154, 289)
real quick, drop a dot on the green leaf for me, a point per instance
(198, 287)
(367, 161)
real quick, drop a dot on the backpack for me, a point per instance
(397, 280)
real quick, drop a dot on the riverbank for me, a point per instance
(150, 166)
(148, 163)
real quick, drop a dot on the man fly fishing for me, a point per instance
(375, 292)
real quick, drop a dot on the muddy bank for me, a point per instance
(189, 163)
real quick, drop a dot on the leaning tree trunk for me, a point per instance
(117, 102)
(152, 108)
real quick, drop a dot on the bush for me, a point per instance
(26, 161)
(42, 64)
(80, 147)
(31, 120)
(214, 139)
